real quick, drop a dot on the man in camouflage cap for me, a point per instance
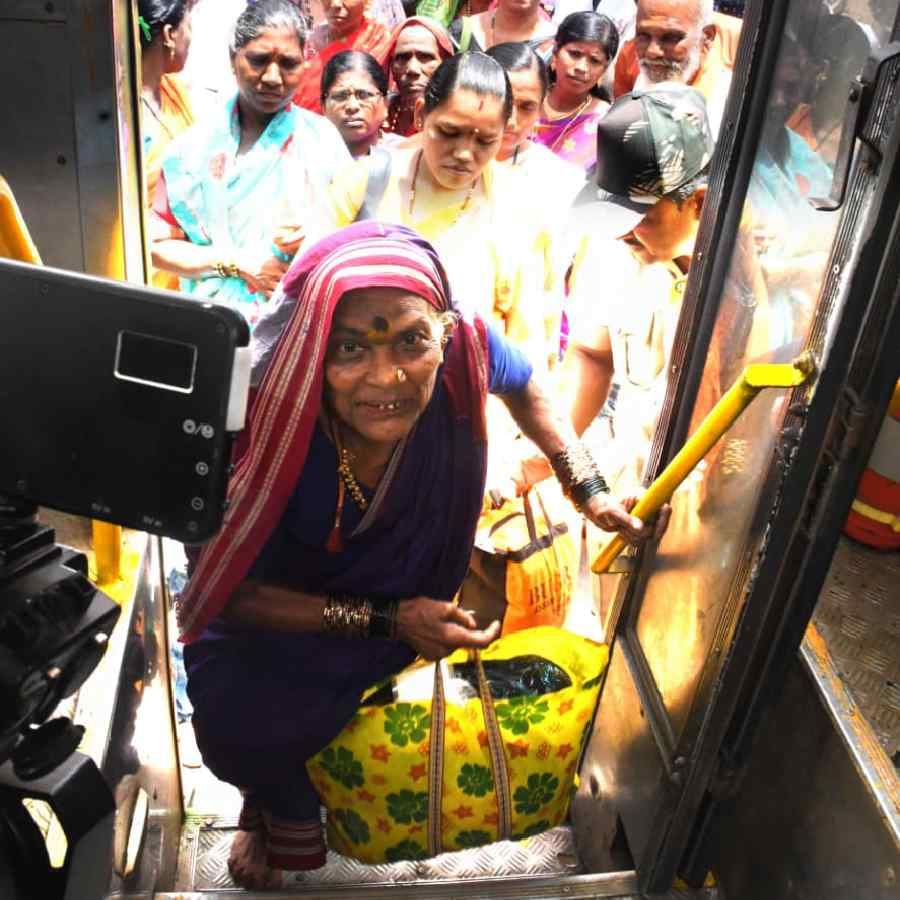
(637, 218)
(653, 150)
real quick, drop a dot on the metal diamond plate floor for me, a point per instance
(205, 853)
(859, 616)
(541, 868)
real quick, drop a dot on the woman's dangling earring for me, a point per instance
(401, 376)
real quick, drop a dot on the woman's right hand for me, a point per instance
(261, 273)
(435, 628)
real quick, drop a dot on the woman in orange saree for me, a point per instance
(165, 32)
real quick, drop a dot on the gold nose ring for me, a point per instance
(401, 376)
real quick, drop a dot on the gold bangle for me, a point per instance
(347, 616)
(227, 269)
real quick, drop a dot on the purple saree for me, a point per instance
(266, 701)
(573, 138)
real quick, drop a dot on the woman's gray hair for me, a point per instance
(266, 15)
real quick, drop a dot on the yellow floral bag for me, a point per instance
(465, 753)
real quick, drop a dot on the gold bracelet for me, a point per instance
(227, 270)
(347, 616)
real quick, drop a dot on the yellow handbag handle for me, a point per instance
(719, 419)
(499, 768)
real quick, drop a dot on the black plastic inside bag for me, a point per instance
(519, 676)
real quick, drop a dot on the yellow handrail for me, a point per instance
(15, 241)
(719, 419)
(107, 551)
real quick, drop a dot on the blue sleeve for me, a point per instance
(509, 370)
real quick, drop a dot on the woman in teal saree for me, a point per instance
(236, 191)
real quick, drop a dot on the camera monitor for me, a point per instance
(118, 402)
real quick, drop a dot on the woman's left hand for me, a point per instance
(615, 515)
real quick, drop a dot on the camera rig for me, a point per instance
(119, 403)
(54, 627)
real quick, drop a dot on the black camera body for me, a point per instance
(54, 626)
(119, 403)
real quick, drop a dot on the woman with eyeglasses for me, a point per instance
(346, 27)
(354, 88)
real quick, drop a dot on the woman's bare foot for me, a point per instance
(247, 862)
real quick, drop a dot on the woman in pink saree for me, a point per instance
(585, 45)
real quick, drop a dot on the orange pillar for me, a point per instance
(875, 515)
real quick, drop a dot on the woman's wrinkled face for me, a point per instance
(343, 16)
(461, 136)
(579, 66)
(355, 106)
(416, 57)
(527, 96)
(384, 352)
(268, 70)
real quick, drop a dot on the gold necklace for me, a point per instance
(346, 481)
(554, 115)
(349, 479)
(412, 190)
(569, 125)
(394, 115)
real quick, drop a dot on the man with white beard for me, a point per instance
(683, 41)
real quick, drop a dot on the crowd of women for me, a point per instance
(386, 207)
(225, 222)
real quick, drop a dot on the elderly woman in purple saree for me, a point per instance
(300, 604)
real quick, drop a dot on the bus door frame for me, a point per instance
(665, 792)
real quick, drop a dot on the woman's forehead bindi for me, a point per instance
(380, 329)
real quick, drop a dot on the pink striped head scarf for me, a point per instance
(285, 409)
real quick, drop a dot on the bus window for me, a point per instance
(768, 313)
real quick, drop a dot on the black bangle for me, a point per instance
(383, 622)
(578, 474)
(583, 491)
